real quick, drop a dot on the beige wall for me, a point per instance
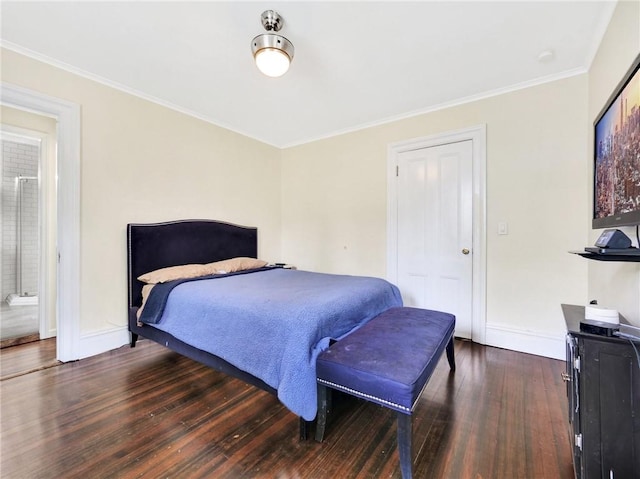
(615, 285)
(334, 200)
(141, 162)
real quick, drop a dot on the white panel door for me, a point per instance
(435, 225)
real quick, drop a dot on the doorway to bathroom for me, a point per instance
(26, 312)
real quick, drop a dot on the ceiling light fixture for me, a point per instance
(273, 53)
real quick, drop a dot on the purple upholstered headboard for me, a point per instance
(158, 245)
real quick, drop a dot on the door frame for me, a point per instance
(478, 136)
(67, 116)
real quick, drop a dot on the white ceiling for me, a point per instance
(356, 63)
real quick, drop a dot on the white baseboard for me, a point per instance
(524, 341)
(531, 342)
(103, 341)
(52, 333)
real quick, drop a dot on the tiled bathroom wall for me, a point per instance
(19, 159)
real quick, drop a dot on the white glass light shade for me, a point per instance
(272, 62)
(272, 53)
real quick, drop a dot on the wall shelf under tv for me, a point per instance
(634, 258)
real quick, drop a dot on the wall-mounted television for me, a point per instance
(616, 154)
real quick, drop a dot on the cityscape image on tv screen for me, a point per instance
(617, 154)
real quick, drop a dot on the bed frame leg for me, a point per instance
(323, 411)
(450, 356)
(305, 426)
(134, 339)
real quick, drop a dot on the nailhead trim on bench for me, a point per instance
(363, 395)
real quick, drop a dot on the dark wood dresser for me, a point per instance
(603, 392)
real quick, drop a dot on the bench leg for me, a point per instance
(323, 411)
(404, 445)
(450, 356)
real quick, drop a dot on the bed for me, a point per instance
(224, 307)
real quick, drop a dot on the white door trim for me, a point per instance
(478, 135)
(67, 115)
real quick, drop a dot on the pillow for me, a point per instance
(236, 264)
(187, 271)
(175, 272)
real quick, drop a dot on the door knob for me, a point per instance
(465, 251)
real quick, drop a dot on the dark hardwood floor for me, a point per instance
(148, 412)
(26, 358)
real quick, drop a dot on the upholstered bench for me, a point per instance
(388, 361)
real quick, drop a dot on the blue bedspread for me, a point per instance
(274, 323)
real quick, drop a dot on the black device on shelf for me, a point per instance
(614, 239)
(612, 245)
